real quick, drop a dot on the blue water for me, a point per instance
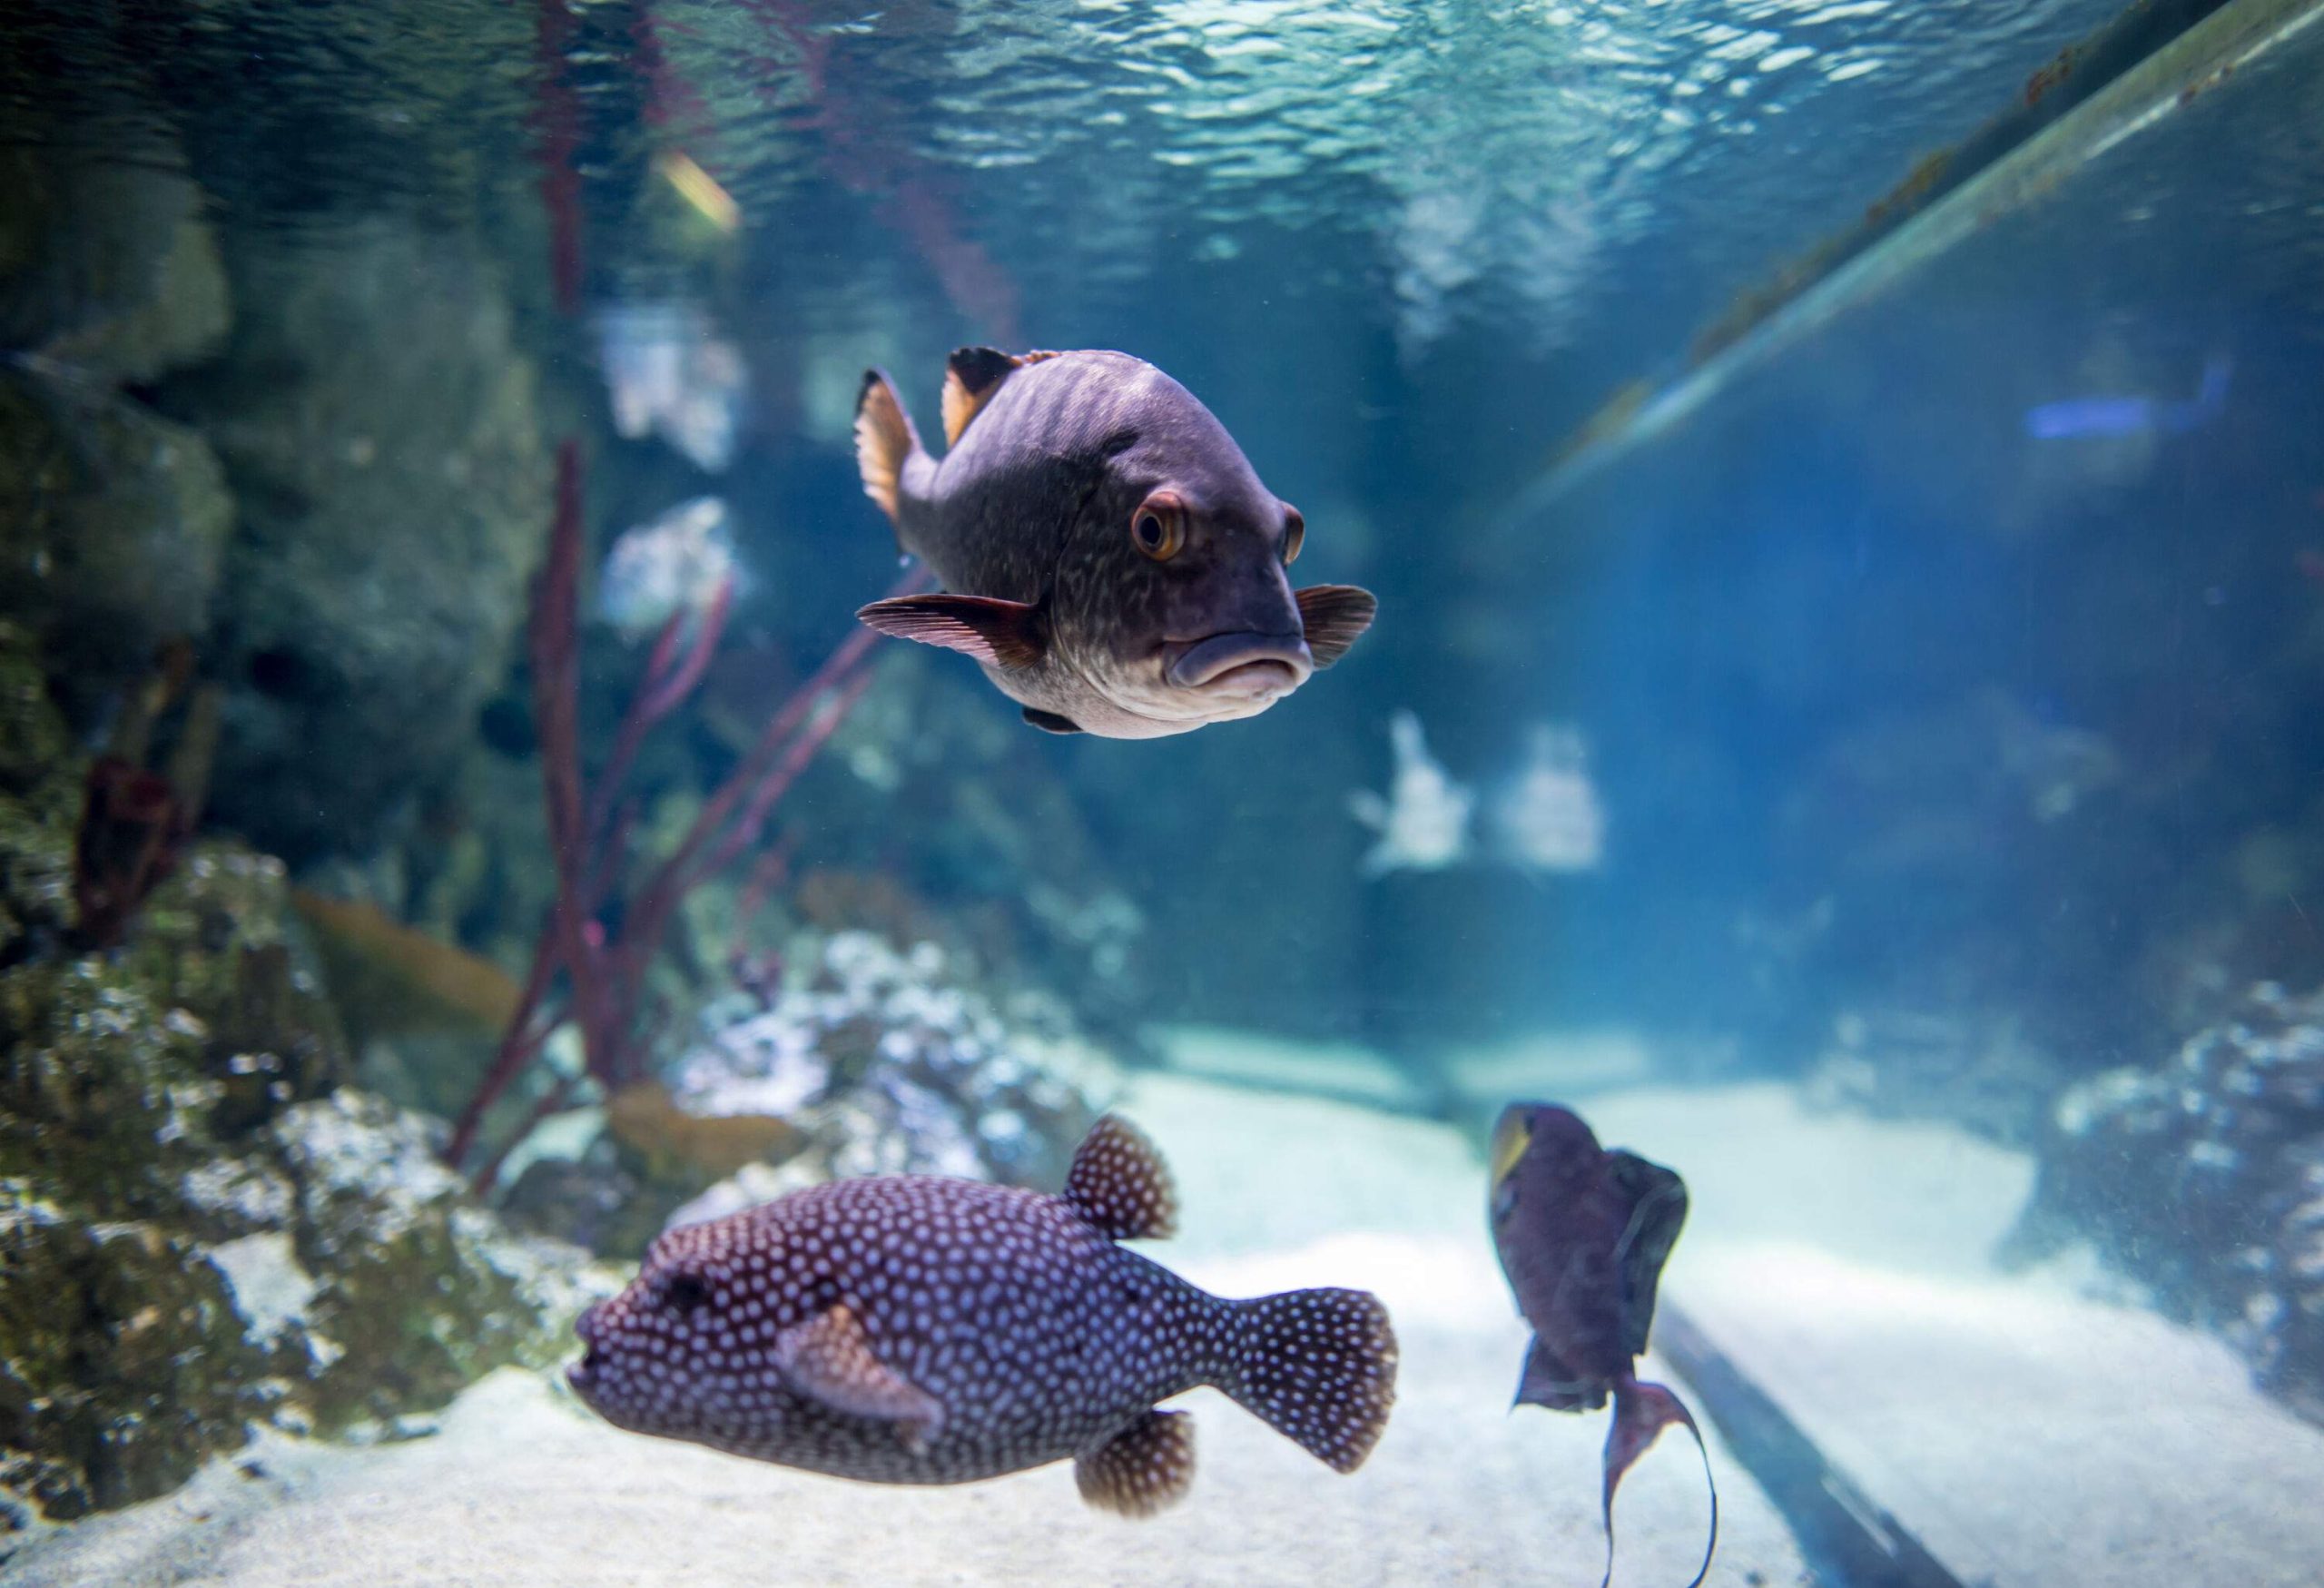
(1940, 707)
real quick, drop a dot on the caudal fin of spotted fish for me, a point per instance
(1319, 1366)
(884, 441)
(1641, 1411)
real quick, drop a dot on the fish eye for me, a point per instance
(1160, 526)
(1294, 531)
(682, 1293)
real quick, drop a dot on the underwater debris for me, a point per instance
(135, 823)
(867, 1355)
(1582, 1234)
(2203, 1180)
(601, 952)
(699, 189)
(1423, 818)
(1089, 633)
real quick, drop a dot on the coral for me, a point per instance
(870, 1060)
(2204, 1179)
(886, 1064)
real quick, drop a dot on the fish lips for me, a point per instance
(582, 1376)
(1241, 663)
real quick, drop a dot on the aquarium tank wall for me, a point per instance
(1211, 792)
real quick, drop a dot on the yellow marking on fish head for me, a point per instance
(1511, 1136)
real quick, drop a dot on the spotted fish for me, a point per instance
(1108, 553)
(1582, 1235)
(920, 1329)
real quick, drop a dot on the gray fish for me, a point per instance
(1582, 1235)
(1107, 555)
(920, 1330)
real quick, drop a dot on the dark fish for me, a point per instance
(1108, 554)
(1582, 1235)
(919, 1329)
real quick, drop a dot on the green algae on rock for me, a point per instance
(419, 1290)
(200, 1225)
(122, 1360)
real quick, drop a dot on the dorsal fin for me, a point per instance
(972, 375)
(1119, 1184)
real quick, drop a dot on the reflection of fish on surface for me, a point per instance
(1582, 1234)
(1547, 816)
(1424, 819)
(921, 1329)
(2078, 418)
(668, 374)
(677, 563)
(1109, 557)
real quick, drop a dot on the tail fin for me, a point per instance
(1642, 1411)
(1318, 1367)
(884, 441)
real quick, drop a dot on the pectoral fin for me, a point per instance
(1658, 1212)
(1048, 722)
(1334, 616)
(1008, 633)
(828, 1359)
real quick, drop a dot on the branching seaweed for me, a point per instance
(610, 918)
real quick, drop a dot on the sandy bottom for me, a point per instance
(2030, 1436)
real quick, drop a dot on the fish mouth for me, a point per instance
(582, 1376)
(1241, 663)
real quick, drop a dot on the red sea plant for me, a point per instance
(590, 965)
(135, 821)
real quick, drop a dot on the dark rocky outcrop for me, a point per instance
(2203, 1178)
(200, 1226)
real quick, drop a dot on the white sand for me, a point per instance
(2032, 1436)
(2028, 1434)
